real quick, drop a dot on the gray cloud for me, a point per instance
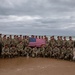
(51, 17)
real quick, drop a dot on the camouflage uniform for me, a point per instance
(8, 42)
(13, 51)
(63, 52)
(15, 40)
(59, 42)
(69, 54)
(25, 42)
(74, 54)
(20, 48)
(56, 52)
(34, 52)
(4, 40)
(65, 42)
(28, 51)
(48, 51)
(42, 51)
(5, 51)
(39, 52)
(70, 44)
(11, 40)
(52, 43)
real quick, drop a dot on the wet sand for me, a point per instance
(36, 66)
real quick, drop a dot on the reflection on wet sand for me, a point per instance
(38, 66)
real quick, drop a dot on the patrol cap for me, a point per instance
(20, 35)
(53, 36)
(70, 37)
(42, 37)
(14, 35)
(57, 36)
(64, 36)
(10, 35)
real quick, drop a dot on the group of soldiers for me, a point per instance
(59, 48)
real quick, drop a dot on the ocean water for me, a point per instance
(55, 36)
(67, 37)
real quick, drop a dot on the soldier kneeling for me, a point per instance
(69, 54)
(5, 51)
(34, 52)
(13, 51)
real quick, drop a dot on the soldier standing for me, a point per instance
(65, 42)
(52, 42)
(4, 40)
(25, 41)
(15, 40)
(8, 41)
(70, 43)
(20, 48)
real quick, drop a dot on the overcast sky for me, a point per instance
(40, 17)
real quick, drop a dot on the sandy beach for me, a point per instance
(36, 66)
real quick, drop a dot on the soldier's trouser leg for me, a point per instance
(18, 53)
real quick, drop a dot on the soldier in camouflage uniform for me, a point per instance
(48, 51)
(20, 48)
(46, 39)
(70, 43)
(52, 42)
(56, 52)
(5, 51)
(65, 42)
(61, 41)
(15, 40)
(13, 51)
(11, 40)
(4, 40)
(58, 42)
(69, 54)
(63, 52)
(42, 51)
(27, 51)
(74, 54)
(34, 52)
(25, 41)
(8, 42)
(19, 38)
(39, 52)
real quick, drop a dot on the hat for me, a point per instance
(70, 37)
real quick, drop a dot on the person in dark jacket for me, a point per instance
(0, 44)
